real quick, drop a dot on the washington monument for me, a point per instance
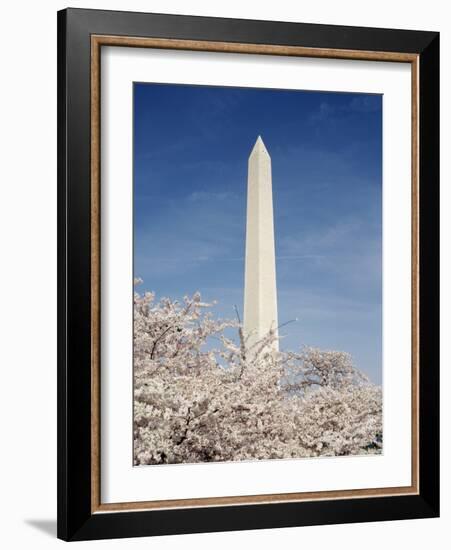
(260, 292)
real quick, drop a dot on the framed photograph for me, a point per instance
(248, 274)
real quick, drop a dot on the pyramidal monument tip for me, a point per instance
(259, 144)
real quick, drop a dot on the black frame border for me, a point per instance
(75, 520)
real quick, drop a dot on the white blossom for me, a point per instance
(201, 396)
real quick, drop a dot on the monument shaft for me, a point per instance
(260, 293)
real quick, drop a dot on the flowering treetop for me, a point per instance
(200, 395)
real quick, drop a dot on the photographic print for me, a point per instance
(257, 274)
(248, 265)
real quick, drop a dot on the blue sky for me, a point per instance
(191, 146)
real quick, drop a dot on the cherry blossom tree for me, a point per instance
(201, 395)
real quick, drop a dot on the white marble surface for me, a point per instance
(260, 290)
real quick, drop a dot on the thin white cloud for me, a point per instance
(204, 196)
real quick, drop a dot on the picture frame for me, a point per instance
(81, 36)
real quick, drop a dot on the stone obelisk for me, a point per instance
(260, 293)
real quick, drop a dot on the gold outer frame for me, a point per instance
(97, 41)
